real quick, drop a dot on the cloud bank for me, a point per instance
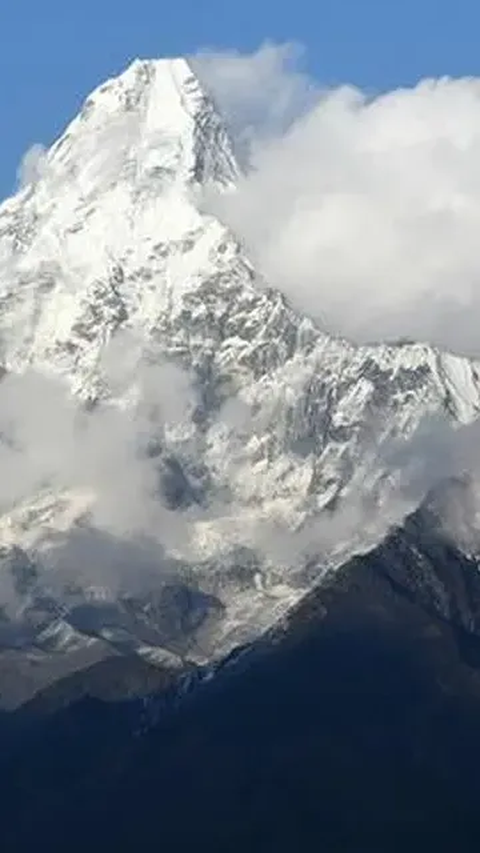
(88, 485)
(364, 210)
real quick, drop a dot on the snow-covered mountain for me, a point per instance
(282, 452)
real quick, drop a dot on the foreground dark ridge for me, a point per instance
(353, 727)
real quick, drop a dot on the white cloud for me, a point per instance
(364, 211)
(32, 165)
(99, 461)
(259, 94)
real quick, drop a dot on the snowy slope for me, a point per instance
(111, 213)
(110, 247)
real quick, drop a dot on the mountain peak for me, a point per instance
(115, 197)
(152, 120)
(106, 257)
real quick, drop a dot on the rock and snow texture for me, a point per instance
(109, 265)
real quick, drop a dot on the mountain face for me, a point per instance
(270, 447)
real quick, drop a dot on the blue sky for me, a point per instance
(52, 53)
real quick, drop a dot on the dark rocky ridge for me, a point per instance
(353, 726)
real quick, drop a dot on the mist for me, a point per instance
(86, 483)
(32, 166)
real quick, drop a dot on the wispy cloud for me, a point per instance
(258, 94)
(32, 165)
